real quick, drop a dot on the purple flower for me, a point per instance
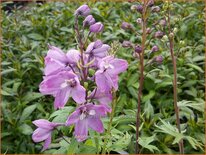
(62, 86)
(163, 22)
(151, 3)
(89, 20)
(56, 60)
(155, 48)
(43, 132)
(126, 26)
(87, 116)
(139, 21)
(148, 30)
(97, 49)
(83, 10)
(96, 28)
(107, 76)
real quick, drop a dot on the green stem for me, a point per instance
(110, 122)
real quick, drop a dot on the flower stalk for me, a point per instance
(171, 48)
(141, 80)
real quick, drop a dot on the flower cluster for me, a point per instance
(88, 75)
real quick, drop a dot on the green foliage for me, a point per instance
(27, 31)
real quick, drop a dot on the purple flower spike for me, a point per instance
(96, 28)
(107, 75)
(43, 132)
(83, 10)
(89, 20)
(97, 49)
(155, 48)
(87, 116)
(62, 86)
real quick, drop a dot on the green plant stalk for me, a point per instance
(171, 46)
(110, 122)
(141, 81)
(97, 143)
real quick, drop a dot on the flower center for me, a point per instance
(85, 114)
(107, 65)
(70, 82)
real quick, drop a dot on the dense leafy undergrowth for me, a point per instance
(27, 31)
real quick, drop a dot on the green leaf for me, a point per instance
(196, 67)
(25, 129)
(30, 96)
(73, 146)
(27, 112)
(36, 36)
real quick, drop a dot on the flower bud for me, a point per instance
(155, 48)
(140, 8)
(148, 30)
(127, 44)
(165, 38)
(83, 10)
(89, 20)
(159, 34)
(96, 28)
(175, 30)
(126, 26)
(151, 3)
(133, 7)
(163, 22)
(155, 9)
(171, 35)
(138, 49)
(159, 59)
(139, 21)
(98, 44)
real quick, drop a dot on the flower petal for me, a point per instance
(96, 124)
(119, 65)
(73, 56)
(73, 118)
(47, 143)
(57, 54)
(101, 81)
(40, 134)
(45, 124)
(78, 93)
(81, 130)
(61, 98)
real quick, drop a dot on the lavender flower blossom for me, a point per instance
(43, 132)
(159, 59)
(89, 20)
(107, 75)
(83, 10)
(126, 26)
(96, 28)
(62, 86)
(155, 48)
(87, 116)
(97, 49)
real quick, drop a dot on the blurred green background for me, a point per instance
(27, 28)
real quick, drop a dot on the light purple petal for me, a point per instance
(73, 118)
(102, 51)
(52, 66)
(81, 130)
(96, 124)
(47, 143)
(100, 110)
(45, 124)
(119, 65)
(40, 134)
(61, 98)
(101, 81)
(90, 47)
(73, 56)
(57, 54)
(78, 93)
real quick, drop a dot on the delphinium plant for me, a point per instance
(88, 75)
